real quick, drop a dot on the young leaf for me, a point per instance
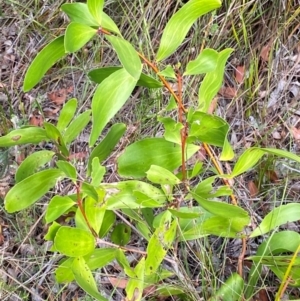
(108, 99)
(31, 189)
(172, 129)
(231, 290)
(205, 62)
(108, 221)
(96, 8)
(32, 163)
(127, 56)
(64, 273)
(77, 35)
(180, 23)
(168, 72)
(212, 81)
(159, 244)
(85, 279)
(76, 126)
(68, 169)
(121, 234)
(74, 242)
(44, 60)
(159, 175)
(100, 74)
(106, 146)
(94, 213)
(66, 114)
(277, 217)
(52, 231)
(139, 156)
(98, 171)
(57, 207)
(31, 134)
(79, 13)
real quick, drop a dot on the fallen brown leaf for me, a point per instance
(117, 282)
(265, 52)
(252, 189)
(78, 156)
(36, 120)
(228, 92)
(58, 96)
(272, 175)
(213, 106)
(239, 74)
(295, 132)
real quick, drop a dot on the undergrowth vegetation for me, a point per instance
(138, 179)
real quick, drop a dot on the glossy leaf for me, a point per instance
(57, 207)
(126, 194)
(231, 290)
(139, 156)
(212, 81)
(32, 164)
(205, 62)
(31, 189)
(180, 23)
(127, 56)
(108, 99)
(44, 60)
(77, 35)
(159, 175)
(74, 242)
(277, 217)
(159, 244)
(54, 134)
(98, 75)
(94, 212)
(106, 146)
(76, 126)
(85, 279)
(66, 114)
(33, 135)
(121, 234)
(68, 169)
(96, 8)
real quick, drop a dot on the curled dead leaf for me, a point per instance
(228, 92)
(253, 189)
(265, 52)
(118, 282)
(58, 96)
(239, 74)
(295, 133)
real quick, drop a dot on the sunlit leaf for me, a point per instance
(96, 8)
(44, 60)
(159, 175)
(68, 169)
(180, 23)
(135, 286)
(66, 114)
(121, 234)
(31, 189)
(108, 99)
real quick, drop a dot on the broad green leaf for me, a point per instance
(44, 60)
(95, 213)
(125, 194)
(108, 221)
(66, 114)
(106, 146)
(99, 75)
(205, 62)
(54, 134)
(121, 234)
(277, 217)
(172, 129)
(159, 244)
(168, 72)
(64, 273)
(89, 190)
(77, 35)
(85, 279)
(52, 230)
(74, 242)
(68, 169)
(123, 262)
(79, 13)
(186, 212)
(33, 135)
(76, 126)
(98, 172)
(282, 242)
(31, 189)
(57, 207)
(159, 175)
(96, 8)
(127, 56)
(139, 156)
(32, 164)
(180, 23)
(135, 286)
(108, 99)
(212, 81)
(231, 290)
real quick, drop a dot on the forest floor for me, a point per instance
(260, 99)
